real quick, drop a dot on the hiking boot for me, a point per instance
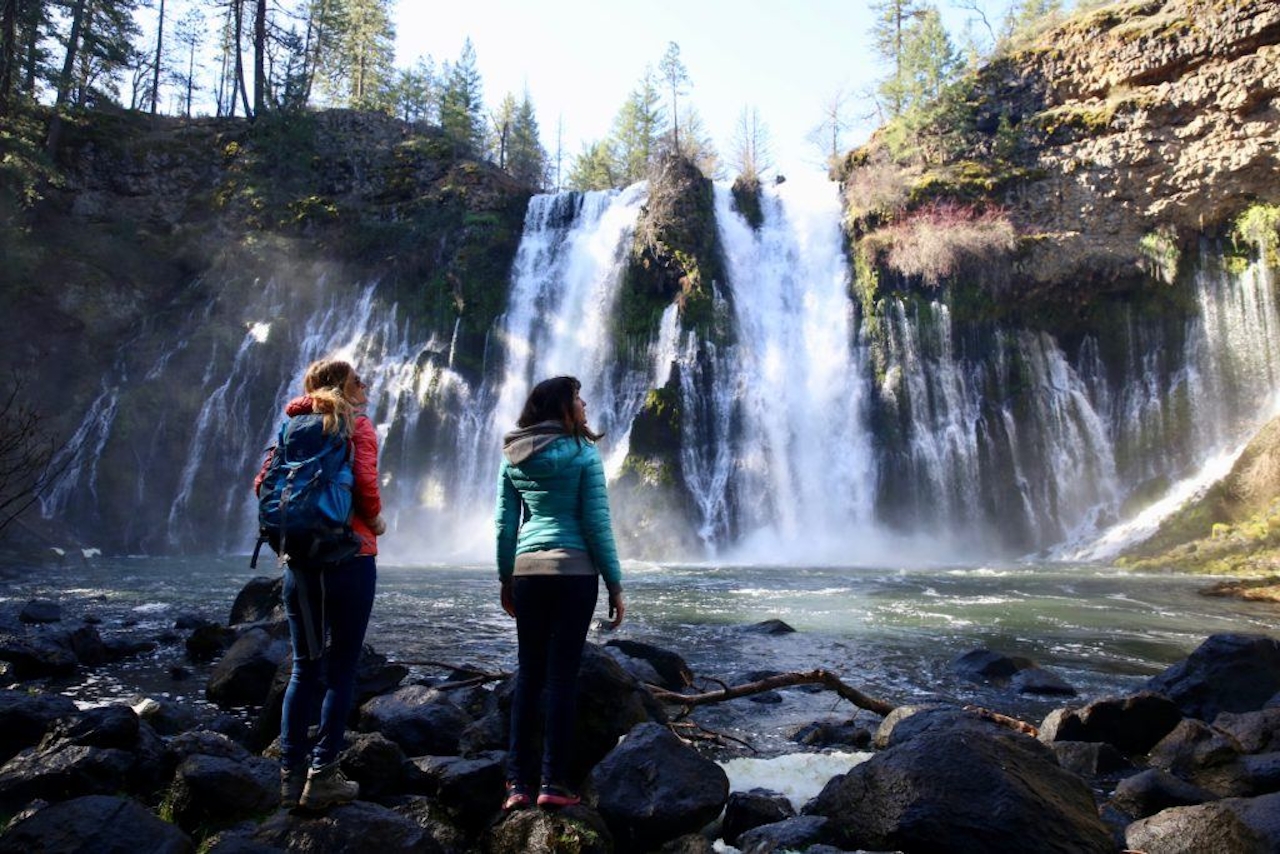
(517, 796)
(556, 796)
(327, 787)
(292, 780)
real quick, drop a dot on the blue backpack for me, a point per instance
(304, 503)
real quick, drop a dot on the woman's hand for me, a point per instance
(616, 609)
(508, 601)
(378, 525)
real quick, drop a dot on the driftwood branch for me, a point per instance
(825, 678)
(1004, 720)
(690, 731)
(476, 677)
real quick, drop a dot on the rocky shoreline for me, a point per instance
(1190, 763)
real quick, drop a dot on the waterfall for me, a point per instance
(797, 459)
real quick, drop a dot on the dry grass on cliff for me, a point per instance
(939, 240)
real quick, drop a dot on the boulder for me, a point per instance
(652, 788)
(792, 834)
(167, 717)
(422, 720)
(259, 601)
(642, 670)
(963, 790)
(747, 810)
(208, 641)
(102, 726)
(673, 669)
(1226, 673)
(35, 655)
(1132, 725)
(26, 718)
(469, 789)
(1237, 825)
(87, 645)
(213, 791)
(985, 665)
(1153, 790)
(833, 733)
(1092, 759)
(907, 722)
(243, 676)
(376, 763)
(102, 824)
(1200, 754)
(690, 843)
(1041, 682)
(441, 833)
(610, 703)
(1255, 732)
(357, 826)
(770, 627)
(578, 829)
(40, 611)
(486, 733)
(63, 770)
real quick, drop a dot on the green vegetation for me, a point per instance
(1160, 248)
(1258, 227)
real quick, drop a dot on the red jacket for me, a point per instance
(365, 498)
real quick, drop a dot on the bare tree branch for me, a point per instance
(825, 678)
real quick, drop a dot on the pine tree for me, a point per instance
(526, 158)
(368, 45)
(893, 18)
(188, 37)
(676, 77)
(593, 169)
(637, 130)
(462, 103)
(414, 92)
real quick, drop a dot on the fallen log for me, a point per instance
(825, 678)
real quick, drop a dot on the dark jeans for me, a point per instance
(553, 614)
(334, 601)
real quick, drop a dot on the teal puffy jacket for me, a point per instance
(556, 499)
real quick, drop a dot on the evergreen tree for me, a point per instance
(893, 19)
(368, 46)
(500, 132)
(462, 103)
(593, 169)
(637, 130)
(676, 77)
(1028, 17)
(414, 93)
(188, 37)
(526, 158)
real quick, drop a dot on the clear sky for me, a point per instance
(580, 59)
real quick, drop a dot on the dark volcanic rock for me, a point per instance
(41, 611)
(25, 718)
(97, 823)
(579, 829)
(963, 790)
(65, 770)
(258, 601)
(1037, 680)
(207, 642)
(981, 665)
(671, 667)
(757, 807)
(1154, 790)
(1237, 825)
(1132, 725)
(610, 703)
(375, 762)
(1256, 732)
(771, 627)
(422, 720)
(907, 722)
(652, 788)
(243, 676)
(1196, 752)
(470, 789)
(1092, 759)
(792, 834)
(1226, 673)
(357, 826)
(212, 791)
(833, 733)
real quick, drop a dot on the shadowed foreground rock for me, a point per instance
(962, 791)
(97, 823)
(578, 829)
(652, 787)
(1226, 673)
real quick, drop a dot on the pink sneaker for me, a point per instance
(557, 796)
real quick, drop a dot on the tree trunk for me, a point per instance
(8, 51)
(237, 7)
(31, 14)
(259, 58)
(191, 76)
(155, 78)
(64, 80)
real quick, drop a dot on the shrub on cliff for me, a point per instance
(937, 241)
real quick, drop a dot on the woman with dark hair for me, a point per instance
(554, 539)
(329, 599)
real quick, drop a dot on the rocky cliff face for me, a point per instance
(1150, 119)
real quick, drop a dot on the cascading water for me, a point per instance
(782, 430)
(807, 434)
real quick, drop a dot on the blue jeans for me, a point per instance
(334, 601)
(553, 614)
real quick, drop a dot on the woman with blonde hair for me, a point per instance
(329, 599)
